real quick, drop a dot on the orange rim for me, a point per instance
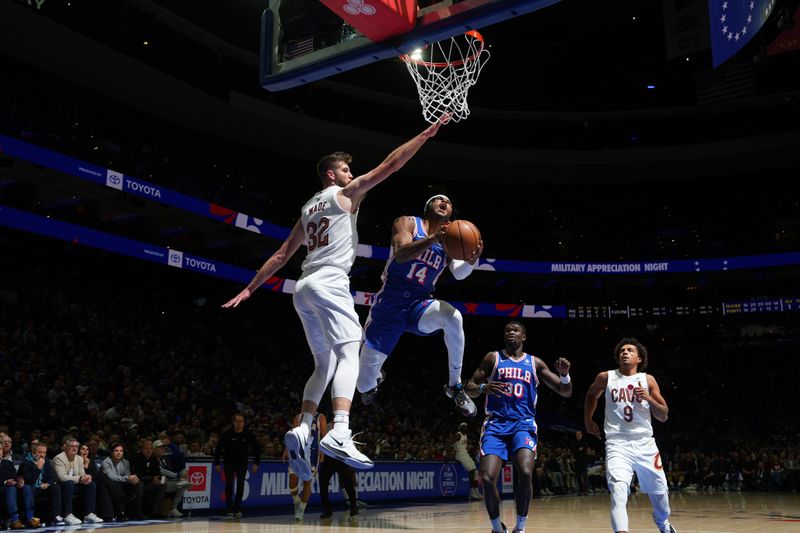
(472, 33)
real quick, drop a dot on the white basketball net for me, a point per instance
(444, 72)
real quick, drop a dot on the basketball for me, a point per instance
(461, 239)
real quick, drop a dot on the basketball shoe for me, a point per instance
(505, 529)
(299, 447)
(667, 529)
(463, 402)
(369, 396)
(340, 445)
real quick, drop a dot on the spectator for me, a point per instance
(73, 478)
(234, 449)
(41, 483)
(122, 484)
(174, 473)
(152, 489)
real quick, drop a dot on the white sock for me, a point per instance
(305, 421)
(521, 521)
(341, 421)
(497, 525)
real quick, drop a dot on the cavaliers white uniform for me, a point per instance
(462, 454)
(322, 295)
(630, 446)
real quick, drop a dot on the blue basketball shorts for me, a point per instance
(504, 437)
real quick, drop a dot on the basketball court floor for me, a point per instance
(692, 513)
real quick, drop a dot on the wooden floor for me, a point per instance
(691, 513)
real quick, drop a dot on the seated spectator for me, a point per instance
(122, 484)
(12, 485)
(73, 478)
(151, 489)
(195, 449)
(41, 484)
(174, 473)
(90, 465)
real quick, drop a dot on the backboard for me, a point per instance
(303, 40)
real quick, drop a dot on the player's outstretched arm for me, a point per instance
(553, 380)
(271, 265)
(356, 189)
(590, 404)
(479, 382)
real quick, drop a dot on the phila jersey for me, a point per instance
(415, 279)
(520, 396)
(331, 234)
(625, 416)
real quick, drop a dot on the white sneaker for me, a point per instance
(72, 520)
(175, 514)
(299, 511)
(92, 518)
(296, 441)
(340, 445)
(58, 520)
(668, 529)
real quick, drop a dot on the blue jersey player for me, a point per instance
(510, 378)
(404, 303)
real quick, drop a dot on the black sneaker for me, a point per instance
(463, 402)
(369, 396)
(668, 529)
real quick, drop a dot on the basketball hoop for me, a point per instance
(444, 71)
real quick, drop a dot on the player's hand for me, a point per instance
(592, 428)
(431, 130)
(239, 298)
(476, 254)
(498, 388)
(439, 235)
(641, 394)
(562, 365)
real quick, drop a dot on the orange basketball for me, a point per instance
(461, 239)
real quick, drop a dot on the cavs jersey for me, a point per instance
(626, 417)
(331, 234)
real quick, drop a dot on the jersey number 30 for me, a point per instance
(317, 236)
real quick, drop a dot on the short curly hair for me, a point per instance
(639, 348)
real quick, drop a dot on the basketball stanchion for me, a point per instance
(444, 71)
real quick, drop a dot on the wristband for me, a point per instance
(565, 379)
(482, 388)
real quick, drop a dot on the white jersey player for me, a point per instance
(631, 398)
(322, 299)
(460, 447)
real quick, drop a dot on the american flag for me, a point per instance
(731, 80)
(297, 48)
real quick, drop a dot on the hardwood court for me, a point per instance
(692, 513)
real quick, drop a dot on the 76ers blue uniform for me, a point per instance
(405, 295)
(511, 417)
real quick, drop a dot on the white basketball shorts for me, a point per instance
(323, 301)
(624, 457)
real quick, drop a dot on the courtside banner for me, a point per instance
(128, 184)
(137, 187)
(269, 486)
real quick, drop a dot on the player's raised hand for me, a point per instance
(236, 300)
(562, 366)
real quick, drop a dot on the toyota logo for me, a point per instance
(114, 179)
(175, 258)
(358, 7)
(197, 478)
